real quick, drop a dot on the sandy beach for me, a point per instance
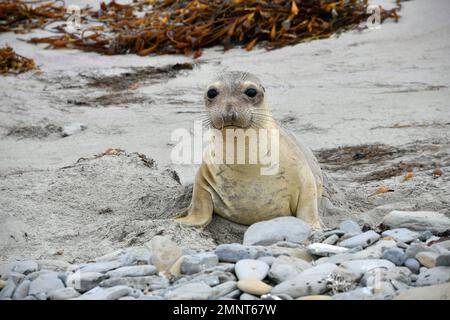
(372, 105)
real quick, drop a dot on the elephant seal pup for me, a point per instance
(239, 191)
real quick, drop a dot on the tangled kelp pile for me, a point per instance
(22, 16)
(186, 27)
(12, 63)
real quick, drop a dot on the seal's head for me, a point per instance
(235, 99)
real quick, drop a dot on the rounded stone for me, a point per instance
(279, 229)
(251, 269)
(315, 297)
(395, 255)
(253, 286)
(350, 226)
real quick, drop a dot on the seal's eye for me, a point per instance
(251, 92)
(212, 93)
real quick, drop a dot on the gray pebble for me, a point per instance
(402, 234)
(142, 283)
(8, 290)
(191, 291)
(247, 296)
(412, 264)
(364, 240)
(395, 255)
(101, 267)
(63, 294)
(198, 262)
(98, 293)
(251, 269)
(234, 252)
(132, 271)
(331, 239)
(22, 290)
(433, 276)
(279, 229)
(350, 226)
(224, 289)
(84, 281)
(267, 259)
(44, 284)
(425, 235)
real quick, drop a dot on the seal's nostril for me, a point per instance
(233, 116)
(228, 107)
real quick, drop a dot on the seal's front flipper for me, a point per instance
(199, 213)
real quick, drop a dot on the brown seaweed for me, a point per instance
(187, 27)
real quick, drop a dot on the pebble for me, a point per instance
(251, 269)
(198, 262)
(132, 271)
(415, 248)
(2, 284)
(63, 294)
(54, 265)
(444, 244)
(373, 252)
(150, 297)
(312, 281)
(8, 289)
(101, 267)
(425, 235)
(224, 288)
(433, 259)
(233, 294)
(316, 297)
(253, 286)
(223, 266)
(165, 252)
(72, 129)
(234, 252)
(279, 229)
(356, 294)
(325, 250)
(99, 293)
(191, 291)
(285, 267)
(412, 264)
(84, 281)
(24, 267)
(373, 276)
(142, 283)
(44, 284)
(401, 234)
(364, 240)
(433, 276)
(362, 266)
(395, 255)
(350, 227)
(331, 239)
(417, 220)
(267, 259)
(246, 296)
(22, 290)
(433, 292)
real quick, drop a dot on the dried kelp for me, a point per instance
(22, 16)
(12, 63)
(186, 27)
